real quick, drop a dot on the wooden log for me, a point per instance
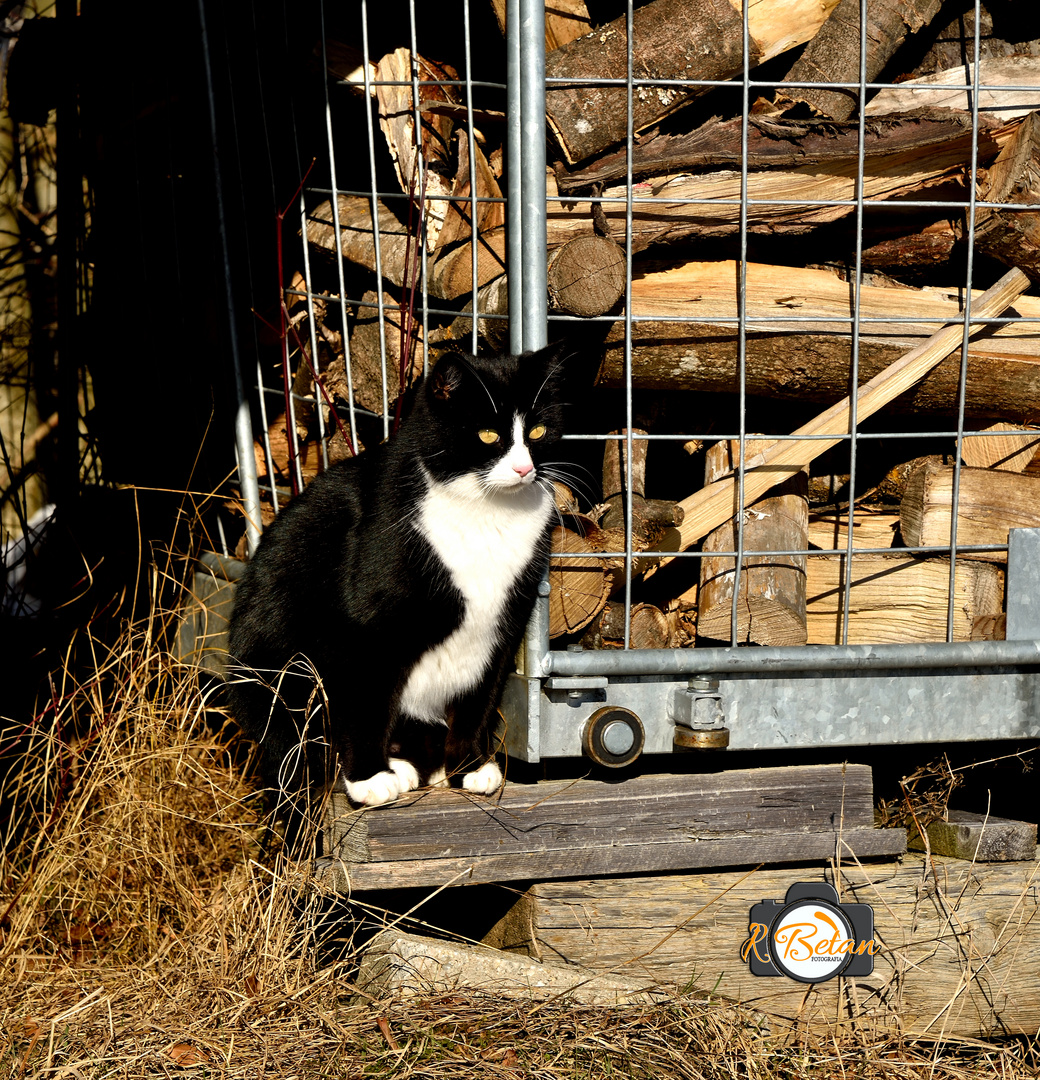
(586, 119)
(833, 56)
(775, 142)
(977, 837)
(648, 515)
(897, 598)
(649, 628)
(958, 941)
(870, 529)
(1006, 447)
(368, 335)
(397, 108)
(586, 277)
(573, 827)
(578, 587)
(810, 360)
(1013, 236)
(565, 20)
(945, 89)
(783, 199)
(771, 602)
(715, 503)
(357, 237)
(990, 503)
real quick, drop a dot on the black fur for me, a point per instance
(343, 586)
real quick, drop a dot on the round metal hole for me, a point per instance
(613, 736)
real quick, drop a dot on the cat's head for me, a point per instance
(496, 417)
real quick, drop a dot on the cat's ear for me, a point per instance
(446, 377)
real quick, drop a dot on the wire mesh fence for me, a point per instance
(790, 255)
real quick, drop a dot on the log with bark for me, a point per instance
(1013, 235)
(649, 628)
(907, 157)
(648, 515)
(811, 359)
(668, 38)
(990, 502)
(833, 56)
(771, 601)
(775, 142)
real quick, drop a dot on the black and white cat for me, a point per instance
(378, 619)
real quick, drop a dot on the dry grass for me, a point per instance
(144, 932)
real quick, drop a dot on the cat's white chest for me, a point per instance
(484, 541)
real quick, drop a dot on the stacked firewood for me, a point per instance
(807, 330)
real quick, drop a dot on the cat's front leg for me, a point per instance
(468, 757)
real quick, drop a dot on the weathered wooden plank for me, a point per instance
(589, 827)
(689, 850)
(979, 837)
(959, 943)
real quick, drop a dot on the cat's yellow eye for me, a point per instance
(488, 436)
(537, 432)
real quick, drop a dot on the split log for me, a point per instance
(944, 89)
(990, 503)
(1013, 236)
(1006, 447)
(648, 515)
(357, 237)
(811, 360)
(565, 20)
(833, 56)
(649, 628)
(905, 160)
(776, 142)
(397, 109)
(578, 587)
(369, 334)
(458, 212)
(870, 529)
(897, 598)
(771, 603)
(586, 277)
(715, 503)
(586, 118)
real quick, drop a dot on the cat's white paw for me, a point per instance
(382, 788)
(485, 780)
(439, 778)
(405, 772)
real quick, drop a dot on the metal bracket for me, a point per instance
(697, 713)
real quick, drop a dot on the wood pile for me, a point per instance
(829, 532)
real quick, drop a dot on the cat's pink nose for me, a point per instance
(523, 470)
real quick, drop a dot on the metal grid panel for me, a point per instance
(545, 717)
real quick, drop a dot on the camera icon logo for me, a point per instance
(810, 936)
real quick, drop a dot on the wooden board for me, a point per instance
(959, 942)
(569, 828)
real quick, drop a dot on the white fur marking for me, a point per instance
(484, 781)
(484, 537)
(515, 466)
(439, 778)
(382, 788)
(406, 773)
